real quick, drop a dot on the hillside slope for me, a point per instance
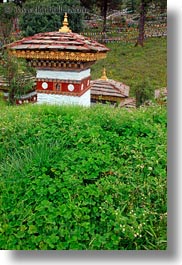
(136, 66)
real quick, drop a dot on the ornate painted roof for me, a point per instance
(108, 87)
(62, 44)
(58, 41)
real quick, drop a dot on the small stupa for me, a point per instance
(108, 90)
(62, 60)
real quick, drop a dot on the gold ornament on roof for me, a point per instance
(58, 55)
(104, 76)
(65, 28)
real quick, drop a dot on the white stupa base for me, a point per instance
(63, 75)
(84, 100)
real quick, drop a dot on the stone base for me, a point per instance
(83, 100)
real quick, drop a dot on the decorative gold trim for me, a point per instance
(65, 28)
(107, 98)
(104, 76)
(58, 55)
(60, 80)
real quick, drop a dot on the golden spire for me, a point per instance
(65, 28)
(104, 77)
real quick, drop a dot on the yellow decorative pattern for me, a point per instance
(58, 55)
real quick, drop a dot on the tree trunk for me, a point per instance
(132, 5)
(12, 98)
(105, 15)
(141, 25)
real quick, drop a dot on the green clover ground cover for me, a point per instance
(86, 179)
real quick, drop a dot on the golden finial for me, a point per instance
(104, 77)
(65, 28)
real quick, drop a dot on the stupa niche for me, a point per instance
(63, 61)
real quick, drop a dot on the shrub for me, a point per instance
(87, 179)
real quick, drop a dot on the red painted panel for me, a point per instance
(85, 83)
(39, 85)
(62, 87)
(76, 87)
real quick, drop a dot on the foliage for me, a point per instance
(7, 14)
(19, 2)
(143, 9)
(131, 5)
(47, 15)
(87, 179)
(15, 71)
(143, 92)
(104, 6)
(2, 102)
(135, 4)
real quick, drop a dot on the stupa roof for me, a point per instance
(3, 83)
(62, 44)
(58, 41)
(109, 87)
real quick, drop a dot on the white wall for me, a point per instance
(84, 100)
(65, 75)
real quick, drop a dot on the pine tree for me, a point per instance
(7, 15)
(104, 6)
(47, 16)
(143, 8)
(15, 72)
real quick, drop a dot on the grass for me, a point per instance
(83, 178)
(88, 178)
(133, 65)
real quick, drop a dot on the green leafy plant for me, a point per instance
(87, 179)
